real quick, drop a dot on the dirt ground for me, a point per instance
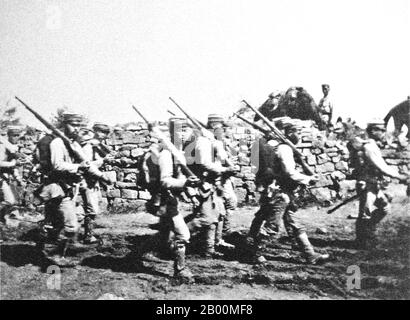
(114, 268)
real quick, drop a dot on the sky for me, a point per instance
(100, 57)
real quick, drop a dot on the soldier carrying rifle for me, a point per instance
(67, 168)
(278, 200)
(200, 155)
(166, 175)
(9, 175)
(225, 185)
(371, 167)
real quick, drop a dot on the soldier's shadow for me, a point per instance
(22, 254)
(132, 262)
(18, 255)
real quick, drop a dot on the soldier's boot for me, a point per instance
(64, 242)
(226, 228)
(209, 242)
(294, 244)
(165, 246)
(43, 235)
(378, 215)
(260, 245)
(255, 225)
(256, 246)
(89, 237)
(309, 253)
(181, 271)
(219, 241)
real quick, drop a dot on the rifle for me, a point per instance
(169, 145)
(141, 115)
(255, 126)
(171, 113)
(346, 201)
(198, 124)
(282, 138)
(77, 154)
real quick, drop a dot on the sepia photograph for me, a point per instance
(223, 152)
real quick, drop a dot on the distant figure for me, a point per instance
(339, 128)
(326, 106)
(269, 107)
(295, 103)
(401, 117)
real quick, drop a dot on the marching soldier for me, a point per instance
(230, 200)
(9, 163)
(101, 131)
(89, 188)
(61, 188)
(165, 182)
(373, 203)
(207, 213)
(277, 202)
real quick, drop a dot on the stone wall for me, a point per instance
(328, 157)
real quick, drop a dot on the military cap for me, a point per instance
(73, 118)
(214, 117)
(98, 126)
(14, 130)
(325, 86)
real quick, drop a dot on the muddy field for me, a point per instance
(113, 269)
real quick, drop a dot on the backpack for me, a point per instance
(148, 172)
(266, 160)
(44, 153)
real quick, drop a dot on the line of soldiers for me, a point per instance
(207, 184)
